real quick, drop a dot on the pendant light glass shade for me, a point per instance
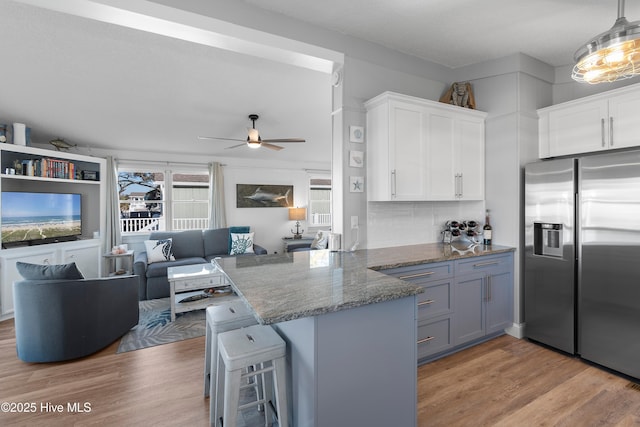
(612, 55)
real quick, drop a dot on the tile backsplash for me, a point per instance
(408, 223)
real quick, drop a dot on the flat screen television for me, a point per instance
(32, 218)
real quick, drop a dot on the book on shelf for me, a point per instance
(49, 168)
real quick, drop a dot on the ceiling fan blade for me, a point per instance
(221, 139)
(236, 146)
(271, 146)
(284, 140)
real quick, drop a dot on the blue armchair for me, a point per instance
(59, 320)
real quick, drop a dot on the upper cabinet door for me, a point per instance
(578, 128)
(455, 155)
(441, 159)
(407, 152)
(624, 120)
(470, 157)
(605, 121)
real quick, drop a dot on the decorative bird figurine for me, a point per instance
(61, 144)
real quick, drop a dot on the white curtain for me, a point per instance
(217, 218)
(112, 231)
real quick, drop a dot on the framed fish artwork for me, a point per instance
(264, 196)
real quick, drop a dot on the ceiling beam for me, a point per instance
(176, 23)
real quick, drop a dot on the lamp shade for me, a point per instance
(297, 214)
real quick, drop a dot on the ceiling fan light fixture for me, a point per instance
(610, 56)
(254, 144)
(254, 135)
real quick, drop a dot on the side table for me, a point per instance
(126, 263)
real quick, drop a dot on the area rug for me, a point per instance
(155, 326)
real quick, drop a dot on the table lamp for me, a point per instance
(297, 214)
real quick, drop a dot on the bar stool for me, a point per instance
(221, 318)
(257, 345)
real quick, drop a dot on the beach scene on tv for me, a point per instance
(28, 216)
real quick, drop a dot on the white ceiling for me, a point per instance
(106, 86)
(463, 32)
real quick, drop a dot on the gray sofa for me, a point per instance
(65, 319)
(188, 247)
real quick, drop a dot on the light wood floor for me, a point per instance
(506, 382)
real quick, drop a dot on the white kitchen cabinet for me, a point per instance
(455, 155)
(423, 150)
(601, 122)
(396, 152)
(85, 253)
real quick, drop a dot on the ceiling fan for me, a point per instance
(254, 140)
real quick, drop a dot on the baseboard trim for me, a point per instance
(516, 330)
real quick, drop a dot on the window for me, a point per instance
(190, 201)
(157, 200)
(320, 202)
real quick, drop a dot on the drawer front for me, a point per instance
(422, 273)
(495, 263)
(199, 283)
(435, 300)
(434, 337)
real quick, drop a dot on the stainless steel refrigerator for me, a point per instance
(582, 257)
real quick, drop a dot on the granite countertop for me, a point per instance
(282, 287)
(402, 256)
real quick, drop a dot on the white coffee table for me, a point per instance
(186, 280)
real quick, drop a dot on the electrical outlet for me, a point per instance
(354, 222)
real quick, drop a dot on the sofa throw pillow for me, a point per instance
(158, 250)
(49, 272)
(321, 240)
(237, 229)
(241, 243)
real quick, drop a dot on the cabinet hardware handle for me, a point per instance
(602, 130)
(455, 185)
(489, 290)
(45, 261)
(424, 340)
(611, 131)
(411, 276)
(461, 186)
(393, 183)
(484, 264)
(427, 302)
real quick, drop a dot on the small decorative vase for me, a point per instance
(19, 134)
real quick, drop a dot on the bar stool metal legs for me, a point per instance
(258, 346)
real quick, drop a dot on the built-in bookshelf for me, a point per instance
(19, 161)
(49, 171)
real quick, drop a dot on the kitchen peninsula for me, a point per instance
(351, 331)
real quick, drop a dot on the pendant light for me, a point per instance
(612, 55)
(253, 139)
